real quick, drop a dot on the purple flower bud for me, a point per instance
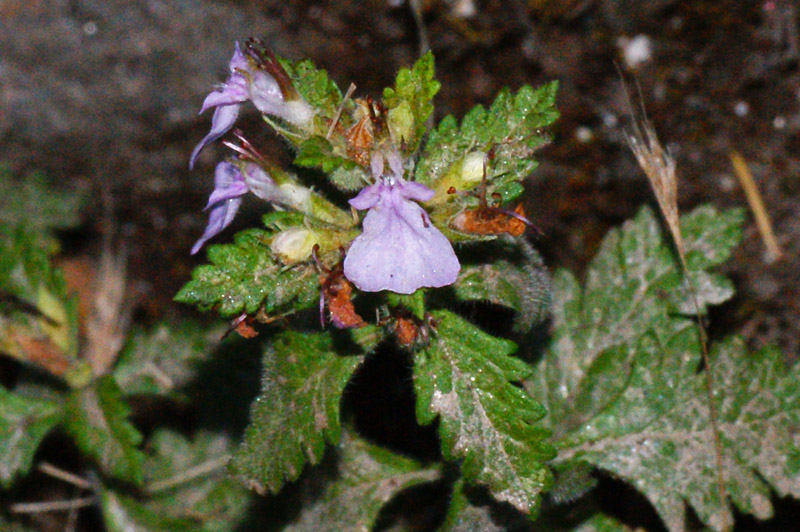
(248, 82)
(229, 187)
(399, 249)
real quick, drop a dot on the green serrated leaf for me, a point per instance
(623, 391)
(244, 275)
(465, 377)
(316, 152)
(523, 286)
(38, 320)
(97, 419)
(187, 488)
(160, 360)
(34, 202)
(368, 477)
(632, 286)
(297, 410)
(657, 434)
(510, 130)
(409, 102)
(314, 85)
(24, 422)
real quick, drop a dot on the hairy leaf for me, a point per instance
(522, 285)
(314, 86)
(623, 391)
(244, 276)
(368, 477)
(317, 152)
(187, 488)
(297, 410)
(38, 320)
(160, 360)
(466, 378)
(24, 422)
(97, 419)
(632, 286)
(510, 130)
(665, 447)
(409, 102)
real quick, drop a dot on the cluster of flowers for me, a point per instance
(399, 248)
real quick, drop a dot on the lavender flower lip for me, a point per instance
(230, 185)
(248, 82)
(399, 250)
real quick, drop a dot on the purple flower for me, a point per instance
(399, 249)
(229, 187)
(248, 82)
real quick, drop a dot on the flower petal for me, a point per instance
(260, 183)
(228, 184)
(368, 197)
(400, 249)
(220, 216)
(221, 122)
(414, 190)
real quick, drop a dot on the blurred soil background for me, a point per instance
(103, 96)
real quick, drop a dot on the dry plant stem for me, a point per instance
(52, 506)
(742, 171)
(110, 315)
(66, 476)
(659, 167)
(189, 475)
(350, 90)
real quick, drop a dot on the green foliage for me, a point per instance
(522, 285)
(632, 286)
(38, 320)
(511, 128)
(466, 378)
(97, 420)
(33, 201)
(159, 361)
(244, 276)
(317, 152)
(314, 85)
(24, 422)
(368, 477)
(620, 378)
(297, 410)
(409, 102)
(187, 489)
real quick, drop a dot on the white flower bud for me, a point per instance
(294, 245)
(472, 167)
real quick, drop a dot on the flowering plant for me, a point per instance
(400, 311)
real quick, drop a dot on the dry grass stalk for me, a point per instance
(742, 171)
(659, 167)
(108, 321)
